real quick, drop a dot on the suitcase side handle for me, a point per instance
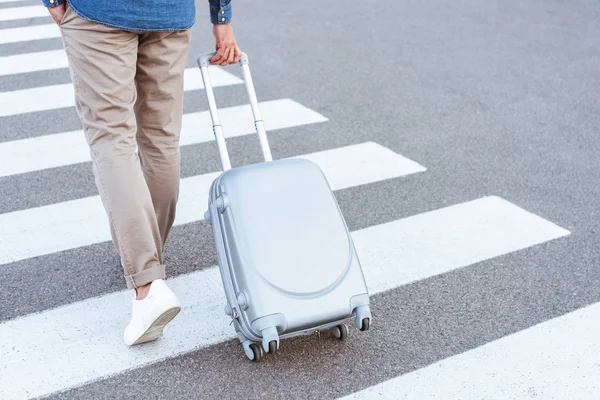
(204, 62)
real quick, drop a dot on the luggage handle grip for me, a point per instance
(204, 62)
(204, 58)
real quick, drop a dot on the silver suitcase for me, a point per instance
(286, 257)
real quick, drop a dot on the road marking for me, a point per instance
(82, 222)
(11, 14)
(31, 62)
(432, 243)
(27, 33)
(57, 150)
(80, 342)
(59, 96)
(557, 359)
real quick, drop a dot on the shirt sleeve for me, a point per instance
(220, 11)
(52, 3)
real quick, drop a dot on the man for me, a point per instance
(126, 61)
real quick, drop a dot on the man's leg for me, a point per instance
(103, 67)
(160, 67)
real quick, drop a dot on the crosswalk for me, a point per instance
(29, 33)
(32, 62)
(81, 222)
(557, 359)
(60, 96)
(67, 148)
(10, 14)
(78, 343)
(45, 342)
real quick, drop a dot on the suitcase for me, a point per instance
(286, 257)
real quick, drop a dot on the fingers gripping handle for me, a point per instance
(203, 63)
(204, 58)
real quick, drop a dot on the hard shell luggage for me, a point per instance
(286, 257)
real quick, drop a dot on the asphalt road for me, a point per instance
(492, 98)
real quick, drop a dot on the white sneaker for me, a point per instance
(150, 315)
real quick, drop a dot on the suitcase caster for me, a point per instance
(253, 351)
(366, 324)
(341, 332)
(270, 340)
(363, 318)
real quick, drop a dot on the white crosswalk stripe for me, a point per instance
(81, 341)
(29, 33)
(10, 14)
(31, 62)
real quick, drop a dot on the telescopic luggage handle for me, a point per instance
(203, 63)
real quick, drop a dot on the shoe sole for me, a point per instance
(155, 330)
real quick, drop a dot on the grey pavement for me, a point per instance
(494, 98)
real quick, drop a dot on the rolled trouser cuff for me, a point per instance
(145, 276)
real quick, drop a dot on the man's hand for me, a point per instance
(58, 12)
(227, 49)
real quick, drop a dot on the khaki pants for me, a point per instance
(128, 94)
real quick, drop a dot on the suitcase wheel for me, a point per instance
(365, 324)
(363, 318)
(270, 339)
(272, 346)
(257, 351)
(341, 331)
(253, 351)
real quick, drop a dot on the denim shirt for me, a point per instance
(146, 15)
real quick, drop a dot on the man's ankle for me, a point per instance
(142, 291)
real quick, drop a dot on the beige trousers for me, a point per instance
(128, 95)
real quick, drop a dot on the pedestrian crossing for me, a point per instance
(32, 62)
(59, 96)
(11, 14)
(82, 222)
(79, 343)
(29, 33)
(44, 344)
(556, 359)
(67, 148)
